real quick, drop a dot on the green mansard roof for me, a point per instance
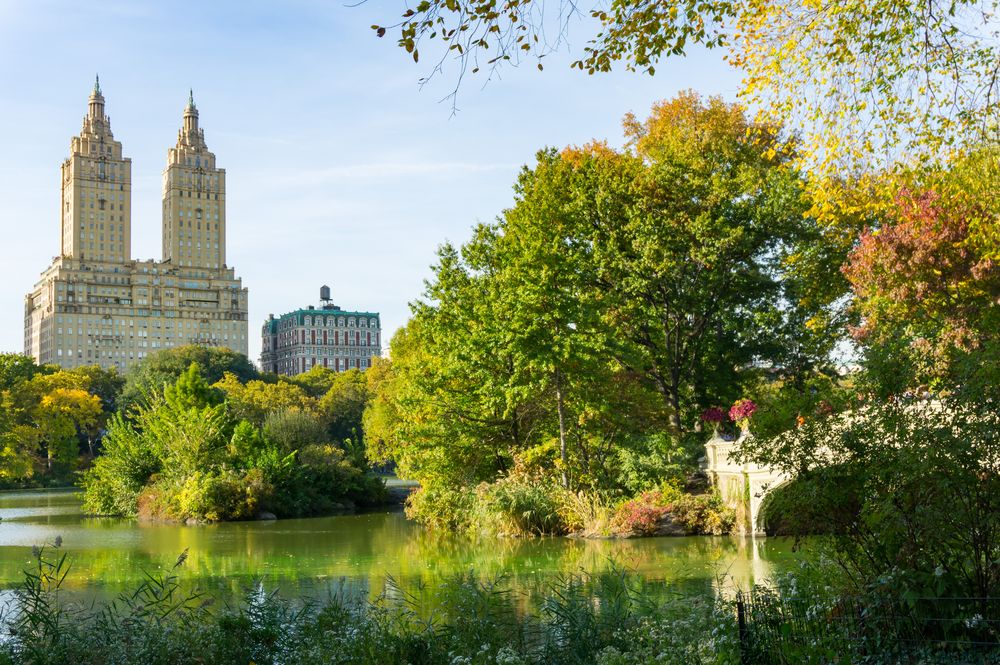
(300, 314)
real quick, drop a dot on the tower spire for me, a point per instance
(95, 105)
(190, 133)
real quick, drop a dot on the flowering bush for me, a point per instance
(742, 410)
(642, 515)
(696, 514)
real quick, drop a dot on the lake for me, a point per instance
(308, 556)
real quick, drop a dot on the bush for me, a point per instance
(116, 479)
(643, 515)
(702, 514)
(206, 496)
(441, 507)
(588, 514)
(805, 505)
(520, 506)
(185, 458)
(657, 511)
(290, 429)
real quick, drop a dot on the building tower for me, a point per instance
(194, 200)
(94, 304)
(96, 200)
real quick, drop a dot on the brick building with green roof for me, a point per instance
(327, 336)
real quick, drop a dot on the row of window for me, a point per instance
(351, 338)
(329, 321)
(305, 364)
(121, 311)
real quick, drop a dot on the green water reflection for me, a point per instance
(304, 556)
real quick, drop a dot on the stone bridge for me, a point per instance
(742, 486)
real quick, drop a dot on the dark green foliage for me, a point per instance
(17, 367)
(343, 404)
(910, 490)
(164, 367)
(105, 383)
(647, 462)
(819, 501)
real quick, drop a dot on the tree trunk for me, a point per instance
(560, 410)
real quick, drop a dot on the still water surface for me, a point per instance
(308, 556)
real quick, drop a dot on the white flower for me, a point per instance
(939, 571)
(973, 621)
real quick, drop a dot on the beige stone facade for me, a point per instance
(94, 304)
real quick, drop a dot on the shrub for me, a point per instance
(922, 484)
(206, 496)
(642, 515)
(184, 458)
(320, 481)
(441, 507)
(291, 429)
(520, 506)
(587, 513)
(702, 514)
(695, 514)
(113, 484)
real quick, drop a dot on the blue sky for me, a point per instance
(340, 169)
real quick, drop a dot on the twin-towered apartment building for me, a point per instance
(95, 304)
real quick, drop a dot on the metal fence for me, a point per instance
(780, 630)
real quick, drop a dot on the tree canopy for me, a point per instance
(864, 82)
(165, 366)
(622, 294)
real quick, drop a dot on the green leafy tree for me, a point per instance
(691, 228)
(17, 367)
(343, 405)
(164, 367)
(315, 382)
(256, 400)
(621, 294)
(107, 384)
(62, 415)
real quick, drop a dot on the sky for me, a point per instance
(341, 169)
